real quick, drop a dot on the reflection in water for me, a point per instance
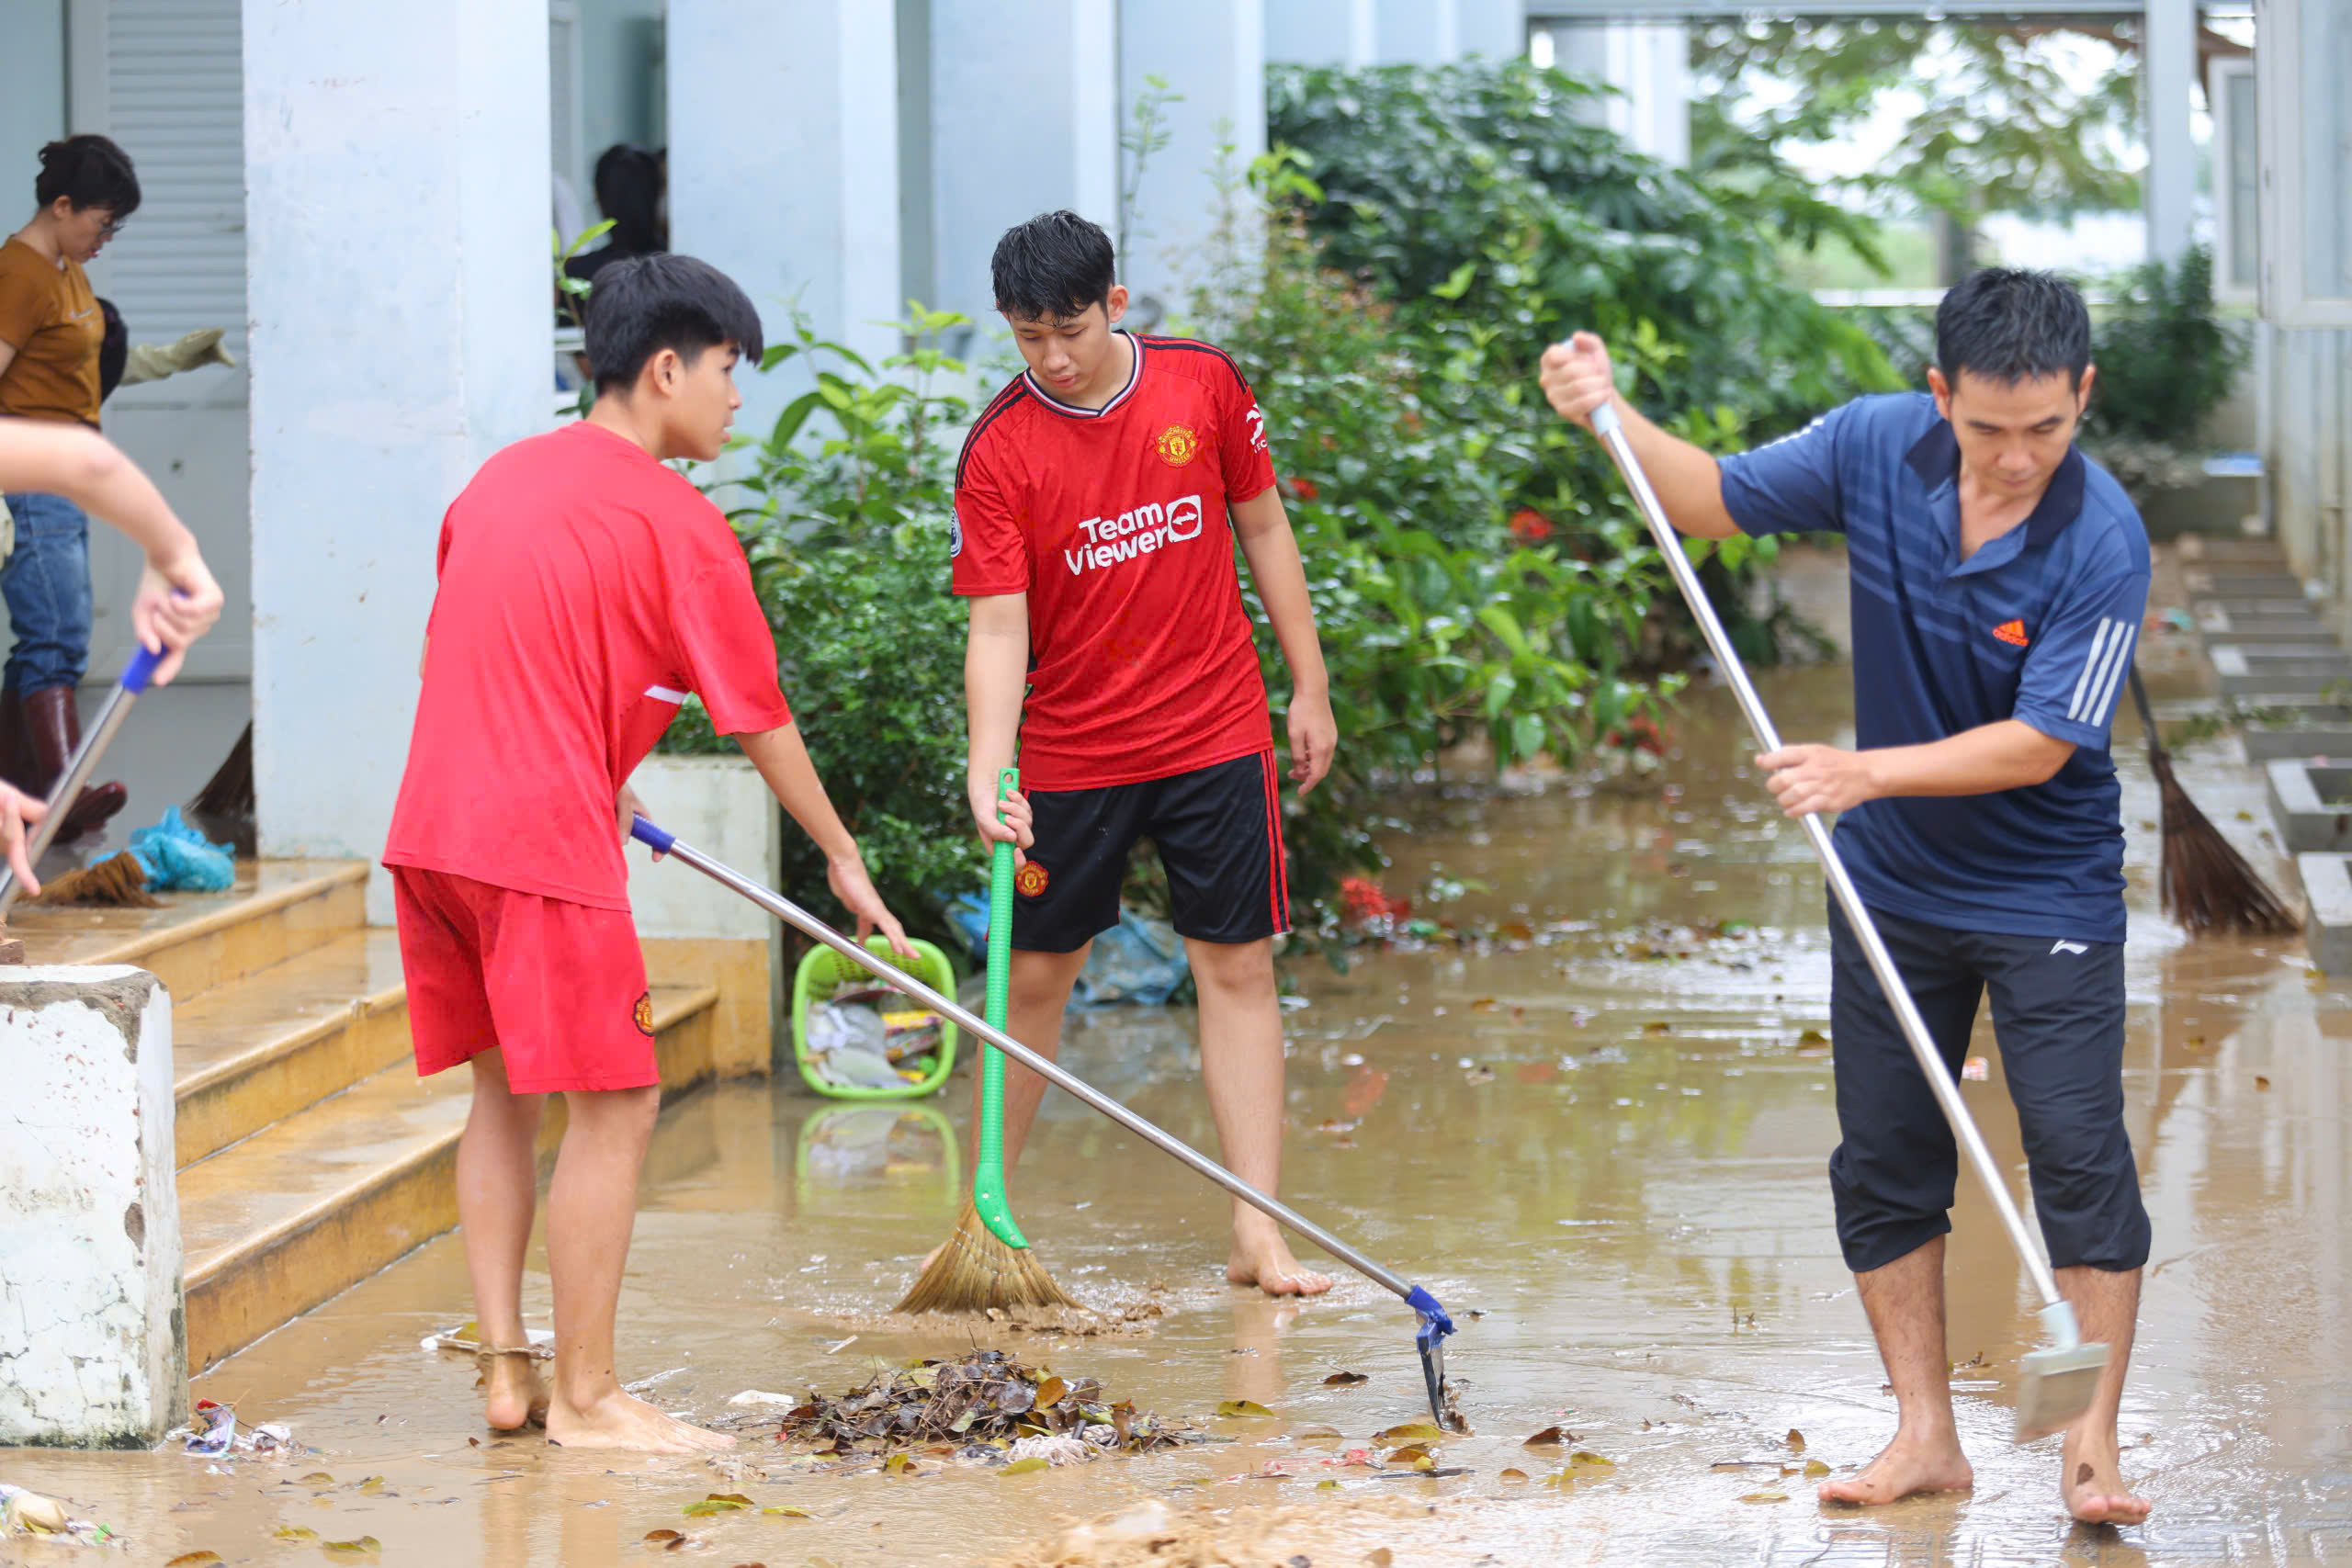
(1606, 1135)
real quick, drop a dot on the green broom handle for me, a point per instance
(987, 1172)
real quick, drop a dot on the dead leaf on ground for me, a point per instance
(1344, 1379)
(2261, 1082)
(1407, 1454)
(1549, 1437)
(1411, 1432)
(1514, 1476)
(1585, 1455)
(294, 1532)
(705, 1508)
(1814, 1468)
(661, 1535)
(191, 1559)
(1812, 1037)
(1657, 1026)
(1049, 1393)
(360, 1548)
(1023, 1466)
(789, 1513)
(1319, 1433)
(1248, 1409)
(1327, 1486)
(318, 1478)
(733, 1499)
(1379, 1557)
(1484, 1004)
(897, 1464)
(1765, 1497)
(1795, 1441)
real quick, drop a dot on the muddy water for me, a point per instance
(1609, 1150)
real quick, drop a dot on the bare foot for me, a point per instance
(1905, 1467)
(516, 1396)
(1267, 1263)
(621, 1421)
(929, 1258)
(2092, 1483)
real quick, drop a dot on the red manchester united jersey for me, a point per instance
(1113, 522)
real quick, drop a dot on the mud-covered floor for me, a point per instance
(1602, 1133)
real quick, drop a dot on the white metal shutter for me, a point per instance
(169, 83)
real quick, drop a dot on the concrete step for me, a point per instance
(2213, 582)
(284, 1220)
(2218, 624)
(2246, 671)
(2221, 552)
(253, 1053)
(277, 909)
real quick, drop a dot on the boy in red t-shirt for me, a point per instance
(1097, 504)
(585, 590)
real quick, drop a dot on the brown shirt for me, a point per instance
(51, 317)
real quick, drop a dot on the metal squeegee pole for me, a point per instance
(1612, 432)
(793, 915)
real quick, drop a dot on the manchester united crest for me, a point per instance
(1031, 879)
(1178, 444)
(645, 1014)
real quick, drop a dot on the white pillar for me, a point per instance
(784, 167)
(1493, 29)
(92, 1328)
(1419, 32)
(1024, 119)
(2169, 67)
(1649, 64)
(397, 260)
(1323, 32)
(1213, 53)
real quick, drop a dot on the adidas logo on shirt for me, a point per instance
(2011, 632)
(1137, 531)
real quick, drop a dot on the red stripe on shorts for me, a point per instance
(1277, 881)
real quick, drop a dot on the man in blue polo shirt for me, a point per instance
(1999, 579)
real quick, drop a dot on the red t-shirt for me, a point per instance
(586, 589)
(1113, 522)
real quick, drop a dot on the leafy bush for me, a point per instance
(847, 536)
(2165, 359)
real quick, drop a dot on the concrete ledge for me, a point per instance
(2317, 742)
(2304, 796)
(696, 932)
(2328, 911)
(2245, 670)
(93, 1333)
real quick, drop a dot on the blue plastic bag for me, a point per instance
(1139, 960)
(179, 859)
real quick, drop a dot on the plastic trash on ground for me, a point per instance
(212, 1430)
(1140, 960)
(179, 859)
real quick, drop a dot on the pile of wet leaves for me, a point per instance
(976, 1407)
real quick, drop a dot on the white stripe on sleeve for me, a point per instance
(2082, 684)
(2117, 662)
(664, 694)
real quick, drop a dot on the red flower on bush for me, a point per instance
(1530, 527)
(1305, 489)
(1641, 734)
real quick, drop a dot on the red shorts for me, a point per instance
(558, 986)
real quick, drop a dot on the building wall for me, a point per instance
(32, 100)
(2308, 455)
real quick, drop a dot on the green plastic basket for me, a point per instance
(822, 970)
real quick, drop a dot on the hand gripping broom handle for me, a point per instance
(1606, 425)
(988, 1167)
(792, 914)
(136, 677)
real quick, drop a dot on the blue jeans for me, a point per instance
(47, 584)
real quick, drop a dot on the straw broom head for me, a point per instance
(976, 1271)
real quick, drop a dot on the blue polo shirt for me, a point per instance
(2037, 625)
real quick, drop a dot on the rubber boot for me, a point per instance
(15, 748)
(53, 723)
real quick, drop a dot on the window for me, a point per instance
(2237, 177)
(2303, 58)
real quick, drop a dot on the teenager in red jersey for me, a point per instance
(1097, 506)
(585, 590)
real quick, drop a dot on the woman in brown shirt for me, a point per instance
(51, 329)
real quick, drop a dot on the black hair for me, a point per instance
(1052, 268)
(88, 171)
(114, 350)
(2009, 325)
(629, 191)
(644, 304)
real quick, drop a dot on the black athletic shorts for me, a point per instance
(1219, 830)
(2058, 1016)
